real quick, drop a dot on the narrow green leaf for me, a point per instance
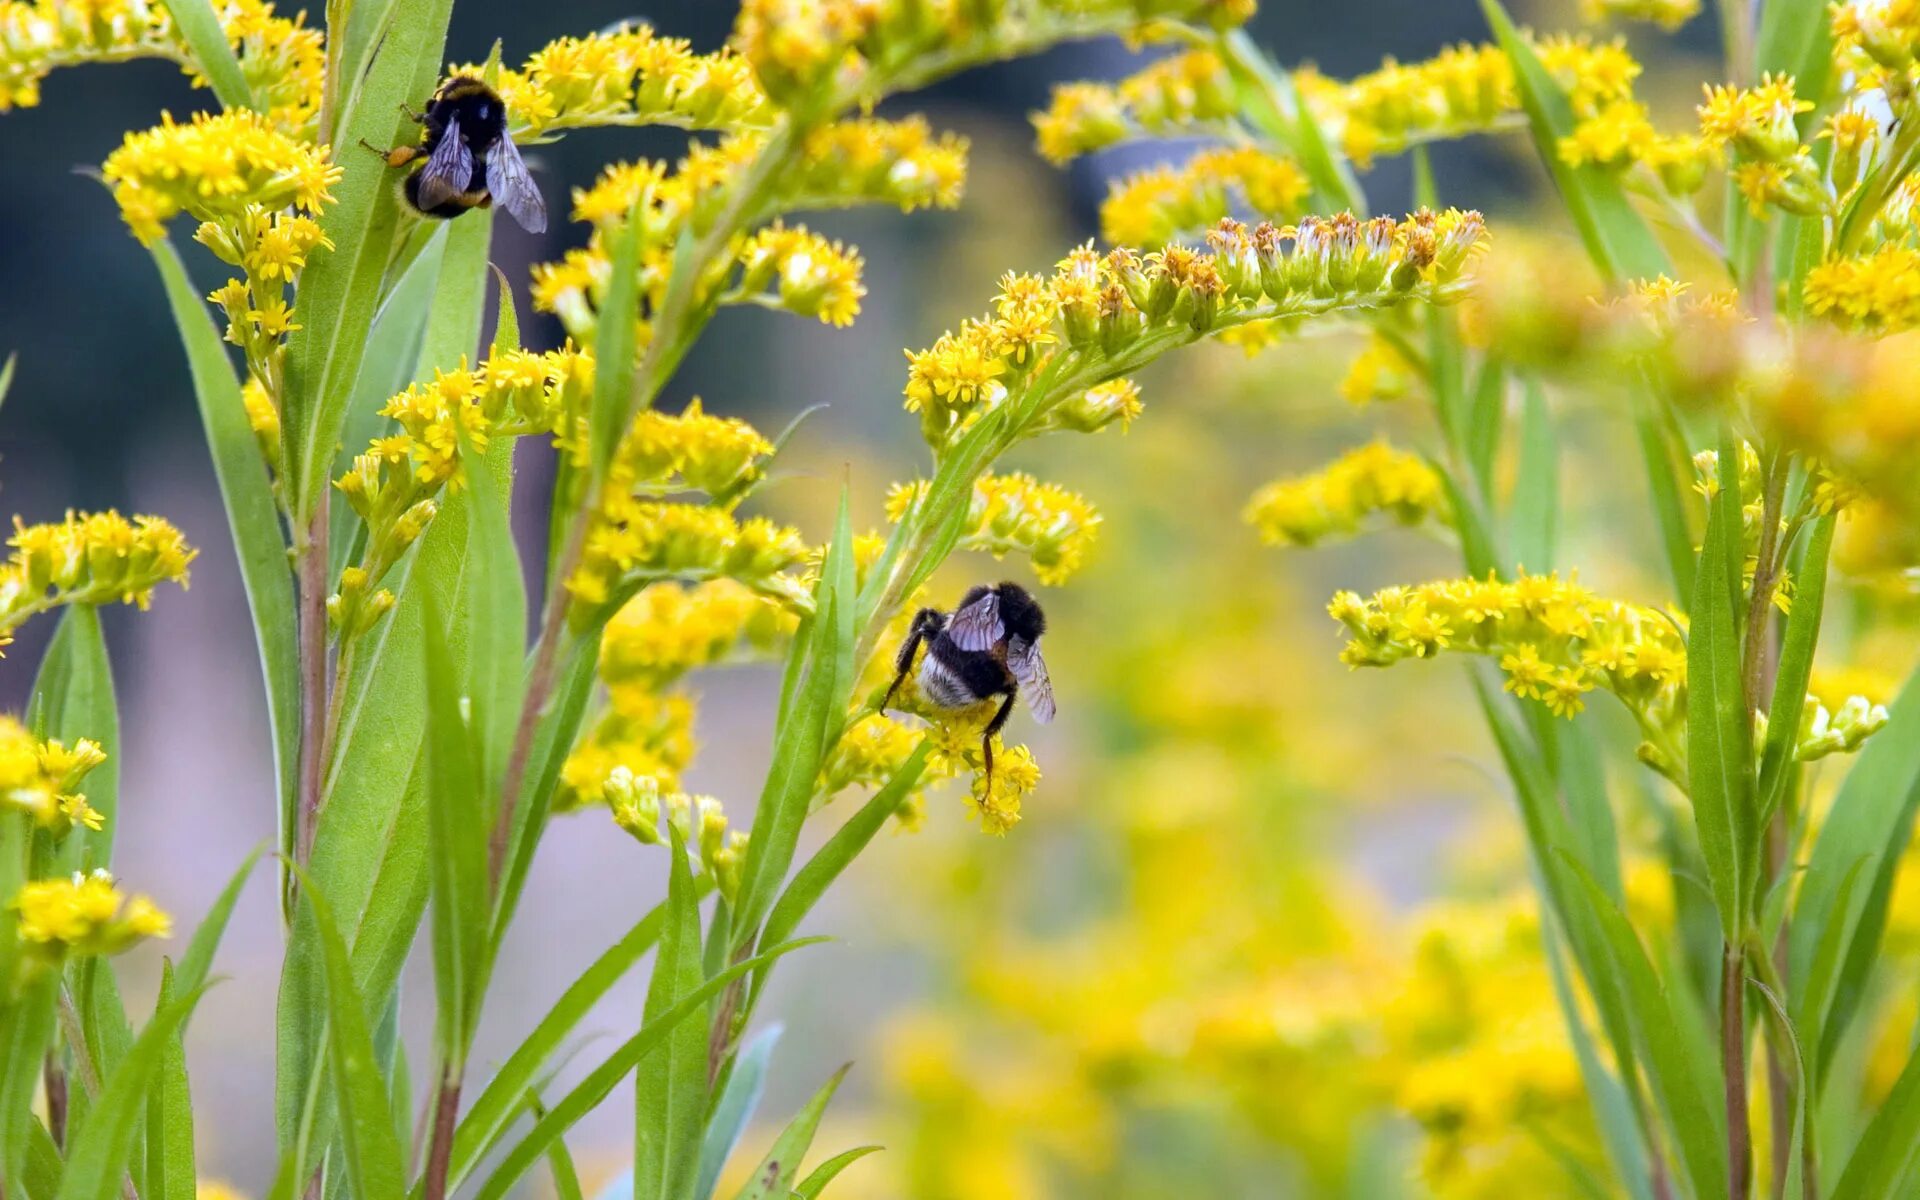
(601, 1080)
(199, 27)
(506, 322)
(198, 959)
(1883, 1160)
(6, 375)
(488, 1116)
(670, 1088)
(1268, 95)
(1469, 522)
(773, 1178)
(566, 1179)
(824, 1174)
(1486, 417)
(367, 22)
(41, 1176)
(1796, 40)
(496, 617)
(252, 516)
(1684, 1092)
(26, 1033)
(1794, 1187)
(613, 344)
(1796, 669)
(340, 289)
(374, 1162)
(170, 1166)
(102, 1147)
(812, 880)
(458, 818)
(1617, 240)
(1669, 507)
(1719, 730)
(1615, 1112)
(73, 699)
(1534, 515)
(845, 605)
(1872, 813)
(734, 1109)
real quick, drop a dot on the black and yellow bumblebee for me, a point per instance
(989, 646)
(471, 162)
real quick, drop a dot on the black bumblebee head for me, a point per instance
(1020, 612)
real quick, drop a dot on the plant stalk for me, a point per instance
(312, 571)
(55, 1081)
(446, 1112)
(1733, 1061)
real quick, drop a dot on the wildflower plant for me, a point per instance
(364, 445)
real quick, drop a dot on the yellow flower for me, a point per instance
(1617, 136)
(215, 167)
(1336, 500)
(1668, 14)
(1176, 94)
(1878, 292)
(814, 277)
(1757, 121)
(89, 558)
(873, 161)
(1163, 204)
(42, 779)
(84, 915)
(1053, 526)
(647, 735)
(669, 629)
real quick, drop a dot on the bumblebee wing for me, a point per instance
(977, 626)
(448, 169)
(1030, 671)
(512, 188)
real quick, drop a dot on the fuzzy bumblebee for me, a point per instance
(470, 160)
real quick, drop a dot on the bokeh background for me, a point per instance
(1122, 998)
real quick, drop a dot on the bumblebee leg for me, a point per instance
(986, 737)
(416, 117)
(925, 622)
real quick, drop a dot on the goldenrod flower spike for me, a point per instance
(1336, 501)
(1162, 204)
(1668, 14)
(84, 916)
(42, 779)
(1051, 525)
(1180, 94)
(216, 168)
(89, 558)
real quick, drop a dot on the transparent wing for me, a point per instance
(448, 168)
(512, 188)
(1030, 671)
(977, 626)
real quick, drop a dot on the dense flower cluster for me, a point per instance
(1180, 94)
(644, 733)
(89, 558)
(1336, 501)
(282, 60)
(42, 778)
(629, 76)
(701, 822)
(1876, 292)
(1668, 14)
(1102, 308)
(1164, 204)
(216, 168)
(84, 915)
(1758, 125)
(669, 629)
(1052, 526)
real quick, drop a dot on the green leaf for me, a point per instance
(170, 1166)
(1268, 95)
(198, 959)
(1469, 522)
(252, 517)
(1796, 39)
(374, 1161)
(824, 1174)
(506, 323)
(26, 1033)
(1883, 1160)
(73, 699)
(458, 818)
(367, 22)
(1795, 1186)
(1796, 669)
(1669, 506)
(1681, 1073)
(773, 1178)
(613, 345)
(670, 1088)
(734, 1109)
(1872, 815)
(340, 289)
(1534, 513)
(1719, 729)
(496, 620)
(1617, 240)
(601, 1080)
(6, 375)
(800, 738)
(1486, 417)
(488, 1117)
(200, 28)
(812, 880)
(566, 1179)
(100, 1149)
(41, 1177)
(1615, 1111)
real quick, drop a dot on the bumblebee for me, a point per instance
(471, 162)
(989, 646)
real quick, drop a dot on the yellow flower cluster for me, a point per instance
(871, 752)
(1054, 527)
(1886, 32)
(272, 248)
(1181, 93)
(1668, 14)
(1758, 125)
(42, 779)
(1337, 500)
(867, 160)
(216, 168)
(629, 76)
(813, 52)
(1554, 640)
(1101, 308)
(84, 915)
(1379, 372)
(669, 629)
(644, 733)
(700, 821)
(89, 558)
(282, 60)
(810, 276)
(394, 485)
(1878, 292)
(1164, 204)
